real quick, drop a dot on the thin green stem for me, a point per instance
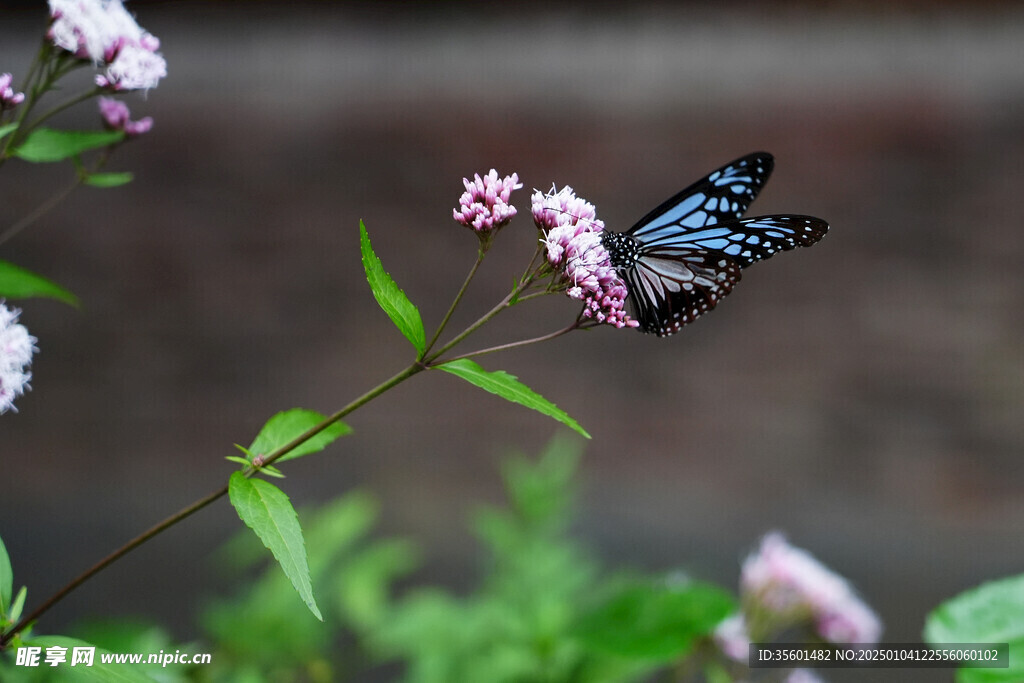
(107, 561)
(55, 199)
(70, 102)
(502, 305)
(33, 91)
(40, 210)
(33, 68)
(188, 511)
(522, 342)
(458, 297)
(525, 280)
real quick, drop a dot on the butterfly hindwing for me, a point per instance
(722, 195)
(671, 287)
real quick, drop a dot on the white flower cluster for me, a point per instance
(105, 32)
(16, 348)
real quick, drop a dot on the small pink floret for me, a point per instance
(8, 98)
(117, 116)
(484, 207)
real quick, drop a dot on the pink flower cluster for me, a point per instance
(116, 116)
(484, 206)
(8, 98)
(105, 32)
(786, 584)
(572, 237)
(16, 348)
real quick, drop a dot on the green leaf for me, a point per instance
(4, 130)
(6, 580)
(509, 388)
(19, 604)
(47, 144)
(272, 471)
(18, 283)
(99, 672)
(655, 622)
(108, 179)
(286, 426)
(391, 298)
(990, 613)
(266, 510)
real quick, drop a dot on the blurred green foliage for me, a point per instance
(544, 609)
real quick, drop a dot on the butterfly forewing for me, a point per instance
(747, 240)
(723, 195)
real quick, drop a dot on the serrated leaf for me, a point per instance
(286, 426)
(47, 144)
(99, 672)
(990, 613)
(6, 580)
(18, 283)
(509, 388)
(108, 179)
(391, 298)
(267, 511)
(656, 623)
(271, 471)
(4, 130)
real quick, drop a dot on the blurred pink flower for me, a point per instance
(116, 116)
(572, 239)
(8, 98)
(732, 638)
(16, 348)
(105, 32)
(484, 206)
(789, 581)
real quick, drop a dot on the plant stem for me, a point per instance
(70, 102)
(203, 502)
(502, 305)
(56, 198)
(40, 210)
(522, 342)
(107, 561)
(458, 297)
(33, 91)
(521, 285)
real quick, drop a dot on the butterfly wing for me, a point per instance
(670, 287)
(746, 240)
(677, 278)
(723, 195)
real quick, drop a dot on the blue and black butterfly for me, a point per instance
(680, 259)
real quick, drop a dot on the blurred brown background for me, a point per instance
(864, 395)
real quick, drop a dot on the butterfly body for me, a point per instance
(680, 259)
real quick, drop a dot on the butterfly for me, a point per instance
(680, 259)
